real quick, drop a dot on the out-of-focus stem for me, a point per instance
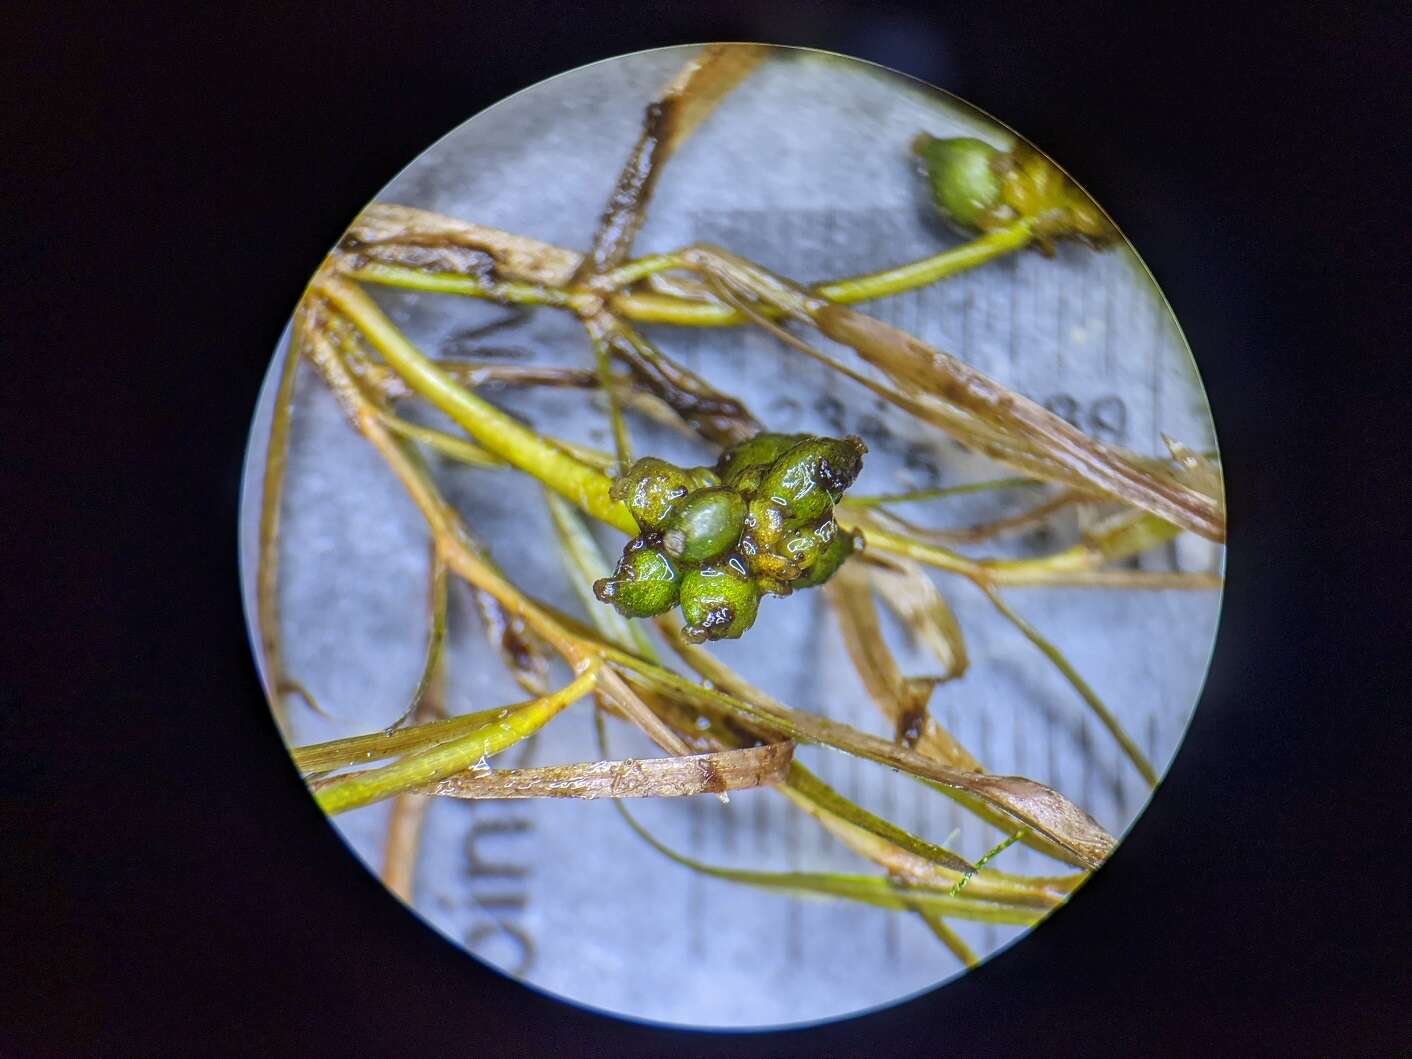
(404, 839)
(447, 444)
(949, 937)
(267, 570)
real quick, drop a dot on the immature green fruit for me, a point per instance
(962, 172)
(757, 452)
(705, 525)
(765, 524)
(745, 480)
(830, 558)
(719, 601)
(807, 479)
(702, 478)
(651, 489)
(645, 583)
(805, 545)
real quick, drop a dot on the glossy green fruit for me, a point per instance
(718, 601)
(831, 557)
(645, 583)
(705, 525)
(807, 479)
(757, 452)
(745, 480)
(702, 478)
(651, 489)
(963, 177)
(805, 545)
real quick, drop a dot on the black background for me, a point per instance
(173, 177)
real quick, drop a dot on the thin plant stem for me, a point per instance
(267, 568)
(503, 435)
(929, 269)
(1096, 704)
(458, 449)
(471, 285)
(868, 889)
(342, 793)
(428, 689)
(990, 856)
(598, 328)
(404, 839)
(949, 937)
(653, 307)
(375, 746)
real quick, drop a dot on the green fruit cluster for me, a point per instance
(975, 185)
(715, 540)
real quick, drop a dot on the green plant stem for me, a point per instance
(458, 449)
(1021, 800)
(427, 695)
(375, 746)
(584, 564)
(868, 889)
(824, 798)
(598, 326)
(949, 937)
(267, 569)
(929, 269)
(994, 852)
(1074, 567)
(466, 284)
(503, 435)
(630, 272)
(1096, 704)
(443, 759)
(651, 307)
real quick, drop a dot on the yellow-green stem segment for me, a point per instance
(916, 274)
(506, 437)
(363, 788)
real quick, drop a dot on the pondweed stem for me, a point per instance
(417, 769)
(501, 434)
(651, 307)
(267, 572)
(1096, 704)
(928, 270)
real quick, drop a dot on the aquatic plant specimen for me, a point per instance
(776, 513)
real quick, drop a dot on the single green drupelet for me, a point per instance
(645, 583)
(715, 540)
(977, 186)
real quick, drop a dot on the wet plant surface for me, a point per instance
(770, 511)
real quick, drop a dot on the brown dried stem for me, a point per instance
(673, 777)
